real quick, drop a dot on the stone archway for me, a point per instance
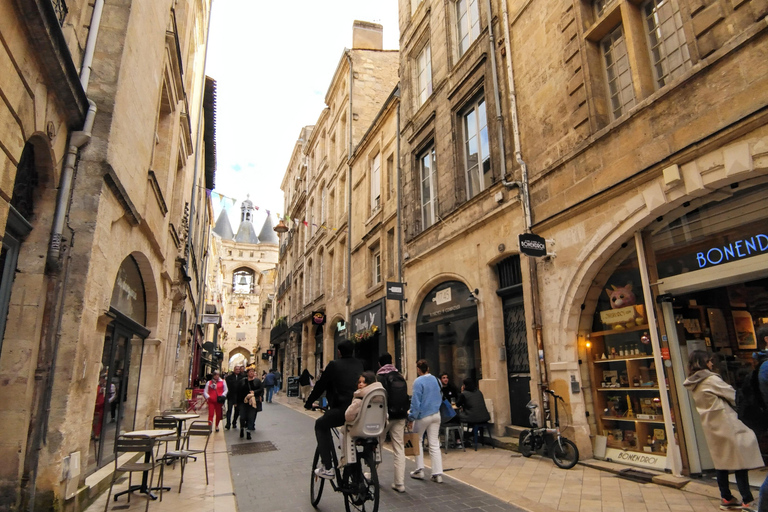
(238, 355)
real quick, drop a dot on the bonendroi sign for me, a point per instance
(532, 245)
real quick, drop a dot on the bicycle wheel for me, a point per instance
(317, 483)
(361, 484)
(565, 454)
(526, 443)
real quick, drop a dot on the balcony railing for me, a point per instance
(60, 8)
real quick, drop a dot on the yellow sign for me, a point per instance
(188, 394)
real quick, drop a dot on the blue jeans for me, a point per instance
(270, 392)
(763, 496)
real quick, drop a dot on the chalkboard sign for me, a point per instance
(293, 387)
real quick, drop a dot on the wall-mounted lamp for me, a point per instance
(281, 227)
(472, 296)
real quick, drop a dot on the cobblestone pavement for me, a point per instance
(278, 479)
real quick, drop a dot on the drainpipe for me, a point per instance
(349, 193)
(525, 200)
(403, 352)
(90, 44)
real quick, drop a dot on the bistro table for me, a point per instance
(153, 433)
(180, 419)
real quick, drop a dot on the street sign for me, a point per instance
(395, 291)
(212, 319)
(532, 245)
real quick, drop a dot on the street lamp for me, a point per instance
(281, 227)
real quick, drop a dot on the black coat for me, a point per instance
(339, 381)
(245, 386)
(305, 379)
(473, 410)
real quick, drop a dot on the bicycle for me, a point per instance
(543, 440)
(358, 481)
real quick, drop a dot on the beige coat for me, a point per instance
(732, 444)
(357, 402)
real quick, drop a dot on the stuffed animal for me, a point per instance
(621, 296)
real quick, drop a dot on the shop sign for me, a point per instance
(395, 291)
(365, 319)
(212, 319)
(318, 318)
(664, 353)
(532, 245)
(733, 251)
(648, 460)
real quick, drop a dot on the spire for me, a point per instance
(223, 228)
(246, 210)
(267, 234)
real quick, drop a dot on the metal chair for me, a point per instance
(143, 445)
(163, 423)
(458, 431)
(200, 429)
(478, 430)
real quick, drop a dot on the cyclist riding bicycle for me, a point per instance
(339, 382)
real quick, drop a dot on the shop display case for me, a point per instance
(627, 394)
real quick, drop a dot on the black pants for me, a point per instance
(742, 482)
(323, 424)
(230, 406)
(248, 419)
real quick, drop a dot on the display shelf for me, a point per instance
(643, 327)
(630, 420)
(639, 388)
(630, 358)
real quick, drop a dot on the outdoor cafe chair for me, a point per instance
(198, 429)
(163, 423)
(143, 445)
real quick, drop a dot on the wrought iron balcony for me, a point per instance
(60, 7)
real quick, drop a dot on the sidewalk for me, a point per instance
(537, 485)
(195, 496)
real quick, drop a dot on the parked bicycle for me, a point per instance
(546, 440)
(356, 477)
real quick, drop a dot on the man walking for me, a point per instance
(398, 404)
(425, 417)
(233, 382)
(270, 382)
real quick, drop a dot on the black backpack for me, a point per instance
(750, 406)
(398, 401)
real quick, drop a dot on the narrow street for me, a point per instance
(272, 470)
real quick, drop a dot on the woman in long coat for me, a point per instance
(732, 444)
(249, 396)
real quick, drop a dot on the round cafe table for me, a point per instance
(154, 434)
(180, 419)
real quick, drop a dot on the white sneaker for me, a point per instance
(418, 474)
(323, 472)
(438, 479)
(398, 488)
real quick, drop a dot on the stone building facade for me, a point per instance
(466, 307)
(643, 129)
(244, 258)
(106, 155)
(314, 293)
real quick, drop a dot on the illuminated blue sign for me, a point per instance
(733, 251)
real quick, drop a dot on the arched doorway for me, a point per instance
(119, 377)
(17, 228)
(447, 334)
(238, 357)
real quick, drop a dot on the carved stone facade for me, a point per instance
(101, 271)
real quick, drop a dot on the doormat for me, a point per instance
(249, 448)
(636, 476)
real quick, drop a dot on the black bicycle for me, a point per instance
(357, 479)
(549, 441)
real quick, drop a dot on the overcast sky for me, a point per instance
(273, 63)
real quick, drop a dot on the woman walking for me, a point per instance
(425, 418)
(305, 384)
(249, 397)
(732, 444)
(215, 388)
